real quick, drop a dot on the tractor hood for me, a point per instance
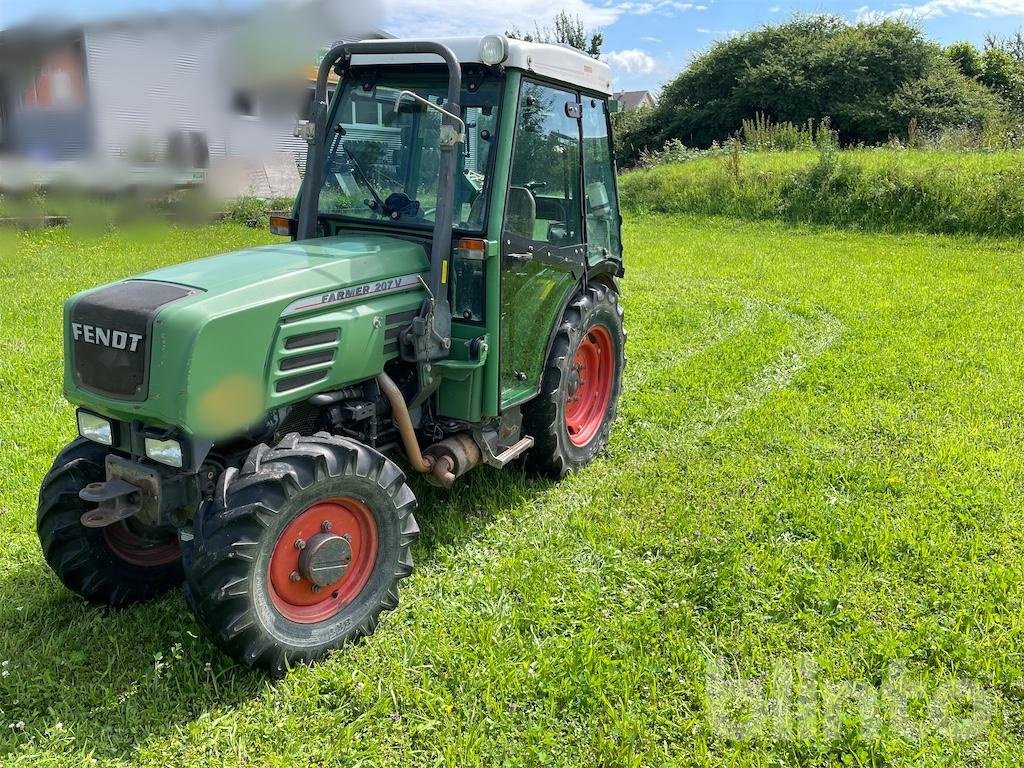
(211, 346)
(291, 270)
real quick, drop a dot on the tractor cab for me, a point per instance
(447, 298)
(498, 158)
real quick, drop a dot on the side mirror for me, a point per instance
(614, 106)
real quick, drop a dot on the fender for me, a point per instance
(607, 272)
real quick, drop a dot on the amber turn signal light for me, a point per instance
(284, 226)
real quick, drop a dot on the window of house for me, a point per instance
(366, 112)
(244, 103)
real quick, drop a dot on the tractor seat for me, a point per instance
(522, 211)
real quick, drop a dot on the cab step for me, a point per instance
(512, 452)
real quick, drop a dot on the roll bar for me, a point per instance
(438, 335)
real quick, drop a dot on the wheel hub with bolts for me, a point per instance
(322, 559)
(575, 380)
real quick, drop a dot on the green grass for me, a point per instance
(817, 458)
(871, 189)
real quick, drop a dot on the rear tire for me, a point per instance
(244, 548)
(571, 417)
(115, 566)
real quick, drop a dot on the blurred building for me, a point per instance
(634, 99)
(187, 90)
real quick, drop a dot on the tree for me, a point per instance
(1013, 45)
(1002, 70)
(999, 72)
(566, 30)
(966, 57)
(871, 78)
(1000, 67)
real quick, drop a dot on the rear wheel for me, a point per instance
(571, 417)
(120, 564)
(302, 552)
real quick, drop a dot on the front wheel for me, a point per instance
(302, 552)
(123, 563)
(571, 417)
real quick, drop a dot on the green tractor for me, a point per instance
(449, 299)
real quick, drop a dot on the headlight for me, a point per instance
(165, 451)
(493, 49)
(95, 428)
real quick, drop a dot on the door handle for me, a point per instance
(521, 256)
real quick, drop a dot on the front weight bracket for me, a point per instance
(117, 500)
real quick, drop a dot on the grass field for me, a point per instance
(881, 189)
(816, 472)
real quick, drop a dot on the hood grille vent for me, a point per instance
(111, 336)
(305, 359)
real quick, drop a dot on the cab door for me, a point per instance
(542, 236)
(603, 220)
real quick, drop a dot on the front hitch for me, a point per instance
(153, 494)
(117, 499)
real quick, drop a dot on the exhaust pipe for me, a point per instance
(443, 462)
(452, 457)
(400, 412)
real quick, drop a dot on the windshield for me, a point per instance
(383, 165)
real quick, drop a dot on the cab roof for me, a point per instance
(558, 62)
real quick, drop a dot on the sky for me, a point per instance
(646, 41)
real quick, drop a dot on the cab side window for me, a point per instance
(602, 205)
(544, 189)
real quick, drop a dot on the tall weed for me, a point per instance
(761, 134)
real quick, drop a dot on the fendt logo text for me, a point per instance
(106, 337)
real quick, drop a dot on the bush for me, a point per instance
(255, 211)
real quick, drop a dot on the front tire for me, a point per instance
(115, 566)
(302, 552)
(571, 417)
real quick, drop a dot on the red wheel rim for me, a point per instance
(297, 600)
(590, 385)
(136, 549)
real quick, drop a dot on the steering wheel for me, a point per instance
(399, 204)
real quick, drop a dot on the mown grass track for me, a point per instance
(818, 457)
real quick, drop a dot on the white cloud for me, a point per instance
(471, 17)
(664, 7)
(632, 61)
(935, 8)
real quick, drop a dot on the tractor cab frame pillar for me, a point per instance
(435, 334)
